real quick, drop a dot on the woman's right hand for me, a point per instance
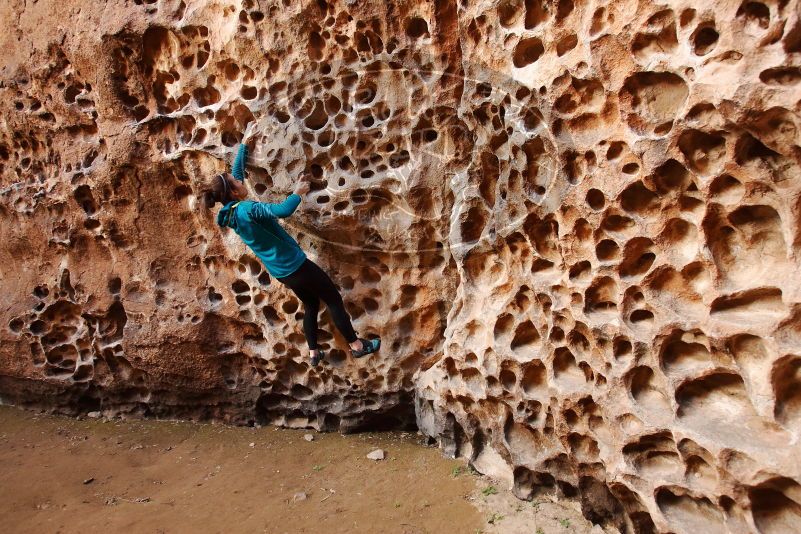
(303, 186)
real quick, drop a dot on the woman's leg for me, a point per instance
(299, 284)
(311, 306)
(326, 290)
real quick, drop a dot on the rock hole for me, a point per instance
(781, 76)
(786, 381)
(607, 250)
(774, 512)
(703, 151)
(240, 286)
(638, 199)
(525, 334)
(417, 27)
(527, 52)
(641, 316)
(755, 13)
(595, 199)
(704, 40)
(654, 98)
(566, 44)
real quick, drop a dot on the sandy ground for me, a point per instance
(65, 475)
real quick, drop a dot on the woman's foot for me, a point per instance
(316, 357)
(362, 347)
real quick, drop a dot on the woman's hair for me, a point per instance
(216, 189)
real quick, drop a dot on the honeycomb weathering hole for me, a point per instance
(691, 513)
(774, 510)
(527, 52)
(654, 97)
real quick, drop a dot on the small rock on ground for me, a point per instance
(377, 454)
(308, 437)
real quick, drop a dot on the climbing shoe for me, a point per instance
(317, 358)
(369, 346)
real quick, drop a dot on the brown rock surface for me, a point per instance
(575, 225)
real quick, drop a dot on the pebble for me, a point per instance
(377, 454)
(89, 480)
(299, 496)
(308, 437)
(252, 444)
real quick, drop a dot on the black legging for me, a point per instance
(310, 284)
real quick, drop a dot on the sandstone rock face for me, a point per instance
(574, 224)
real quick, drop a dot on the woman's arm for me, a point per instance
(238, 170)
(262, 211)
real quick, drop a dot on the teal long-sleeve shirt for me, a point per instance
(238, 169)
(257, 224)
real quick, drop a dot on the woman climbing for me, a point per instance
(257, 224)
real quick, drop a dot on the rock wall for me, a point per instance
(574, 223)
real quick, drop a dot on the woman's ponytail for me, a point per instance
(213, 191)
(209, 199)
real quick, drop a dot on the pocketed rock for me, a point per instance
(574, 224)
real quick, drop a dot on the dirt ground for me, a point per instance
(65, 475)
